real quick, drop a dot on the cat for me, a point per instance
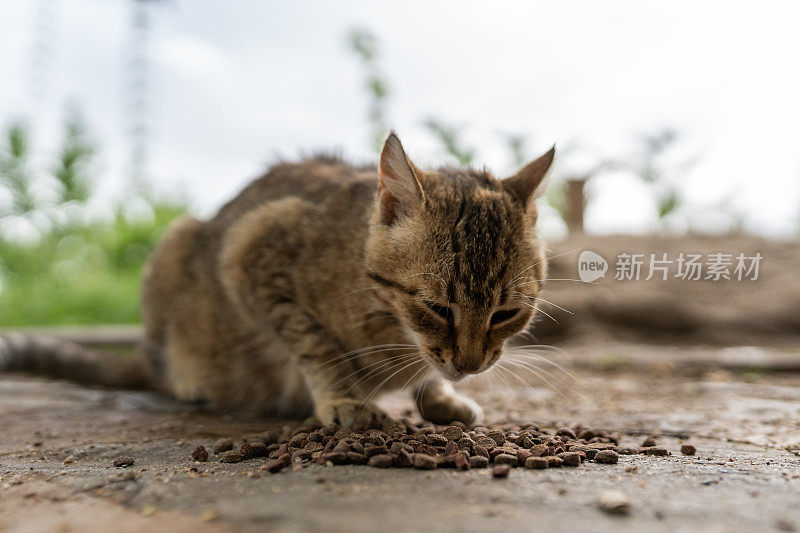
(310, 293)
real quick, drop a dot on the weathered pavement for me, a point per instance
(744, 477)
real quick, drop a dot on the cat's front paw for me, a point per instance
(350, 412)
(449, 408)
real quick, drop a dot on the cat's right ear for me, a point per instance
(399, 189)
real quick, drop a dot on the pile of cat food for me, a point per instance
(405, 445)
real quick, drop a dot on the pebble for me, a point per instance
(609, 457)
(123, 461)
(69, 459)
(614, 502)
(648, 442)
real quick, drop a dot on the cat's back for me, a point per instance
(324, 181)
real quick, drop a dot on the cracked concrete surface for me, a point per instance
(745, 477)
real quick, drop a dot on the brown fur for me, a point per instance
(310, 293)
(255, 308)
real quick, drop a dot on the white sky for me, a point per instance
(235, 83)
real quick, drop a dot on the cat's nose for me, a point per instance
(467, 364)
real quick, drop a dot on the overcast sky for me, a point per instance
(235, 84)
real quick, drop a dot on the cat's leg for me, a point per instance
(439, 403)
(257, 272)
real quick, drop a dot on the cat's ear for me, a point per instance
(399, 190)
(524, 183)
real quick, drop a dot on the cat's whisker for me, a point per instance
(518, 276)
(554, 279)
(537, 369)
(382, 383)
(541, 358)
(381, 362)
(383, 366)
(365, 354)
(507, 384)
(539, 376)
(555, 305)
(361, 351)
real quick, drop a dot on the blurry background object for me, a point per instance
(117, 116)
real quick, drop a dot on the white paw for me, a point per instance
(350, 412)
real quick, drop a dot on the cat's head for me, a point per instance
(455, 252)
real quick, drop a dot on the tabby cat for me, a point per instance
(309, 293)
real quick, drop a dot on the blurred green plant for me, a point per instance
(365, 46)
(15, 175)
(76, 270)
(651, 163)
(449, 136)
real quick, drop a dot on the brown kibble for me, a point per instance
(539, 450)
(337, 458)
(506, 459)
(223, 445)
(424, 462)
(200, 454)
(403, 459)
(461, 462)
(276, 465)
(231, 456)
(688, 449)
(123, 461)
(487, 443)
(648, 442)
(566, 432)
(380, 461)
(501, 471)
(254, 449)
(654, 450)
(478, 461)
(570, 458)
(355, 458)
(480, 450)
(498, 437)
(537, 463)
(453, 433)
(609, 457)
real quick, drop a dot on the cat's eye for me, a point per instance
(501, 316)
(440, 310)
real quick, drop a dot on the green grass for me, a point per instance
(81, 273)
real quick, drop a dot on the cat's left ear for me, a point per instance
(524, 183)
(399, 189)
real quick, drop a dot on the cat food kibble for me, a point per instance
(231, 456)
(223, 445)
(688, 449)
(200, 454)
(648, 442)
(428, 447)
(500, 471)
(607, 456)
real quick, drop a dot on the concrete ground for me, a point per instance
(745, 477)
